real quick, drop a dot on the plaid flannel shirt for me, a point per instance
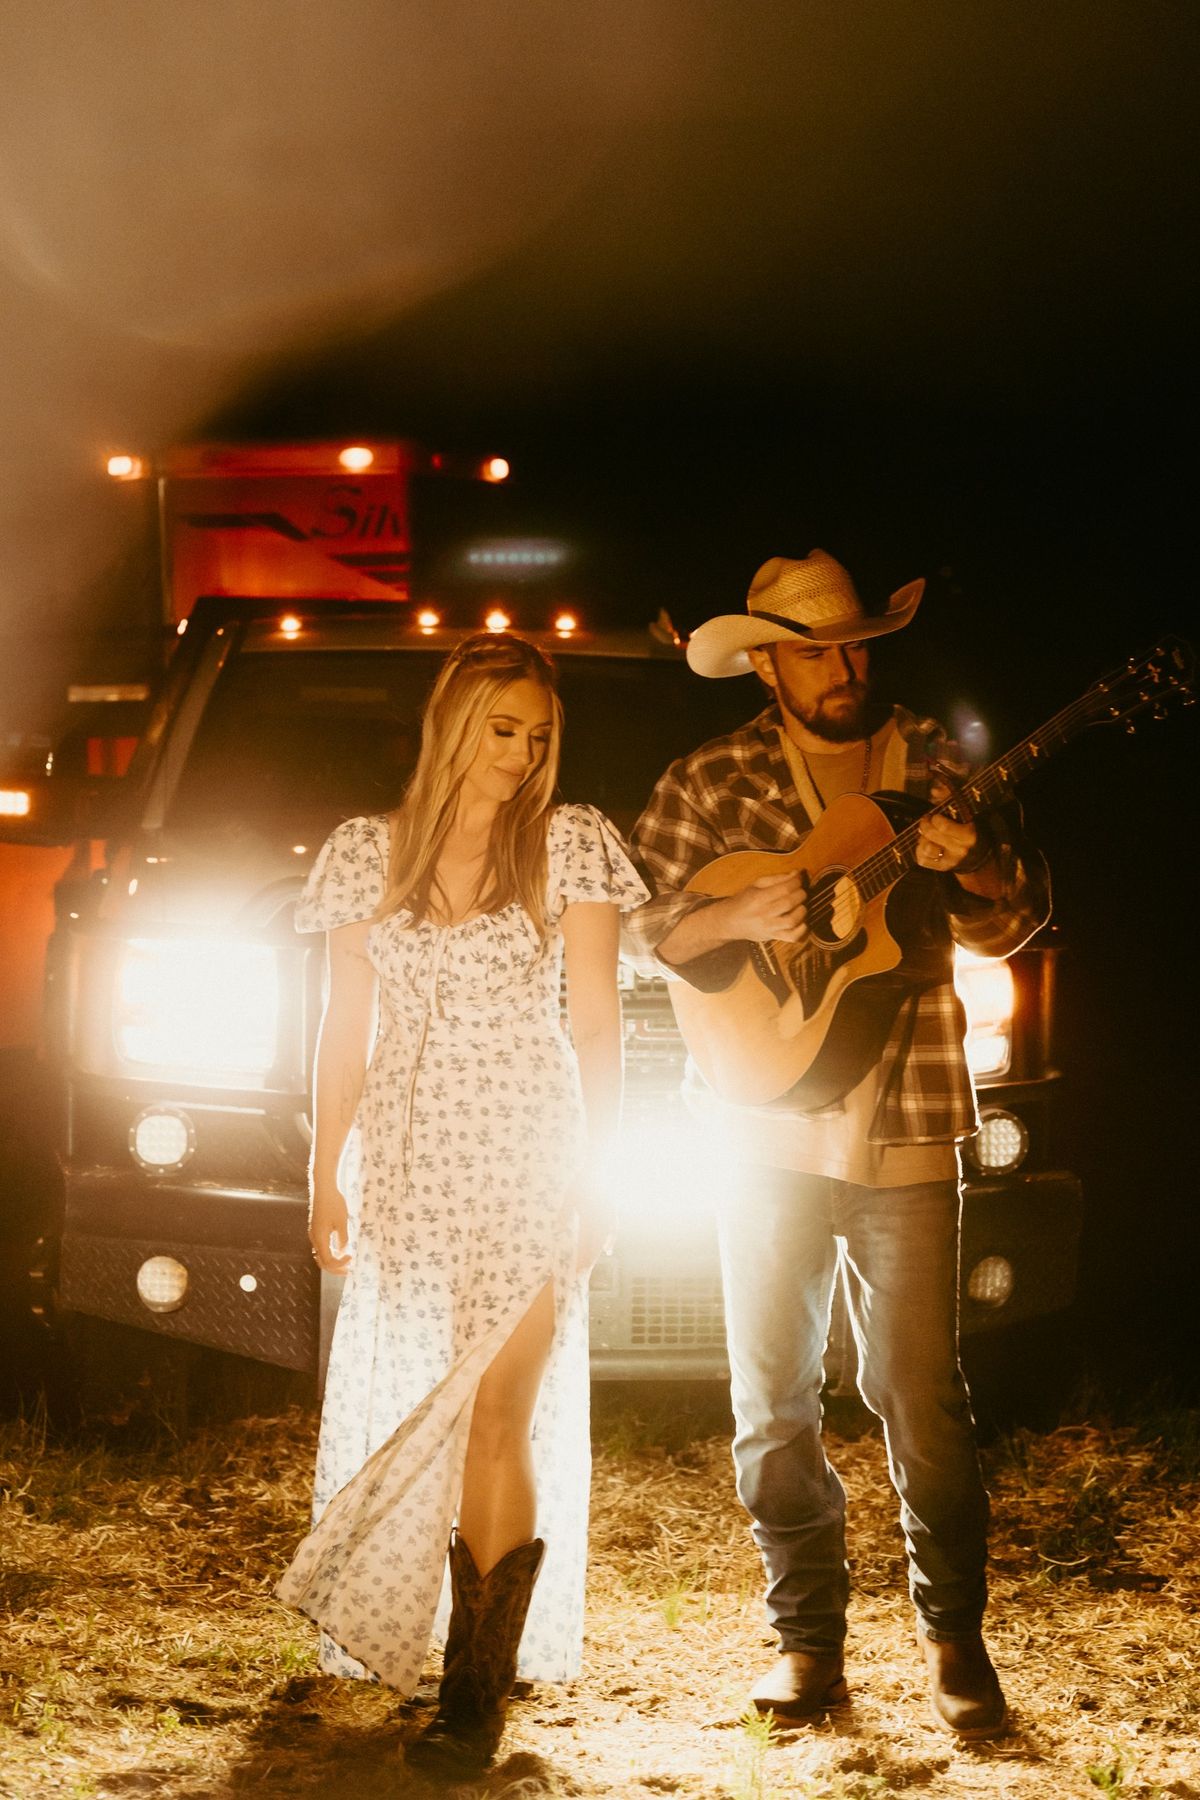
(737, 793)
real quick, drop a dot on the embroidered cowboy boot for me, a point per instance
(486, 1621)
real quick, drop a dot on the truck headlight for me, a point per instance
(1001, 1144)
(988, 993)
(204, 1004)
(667, 1179)
(162, 1139)
(991, 1281)
(162, 1284)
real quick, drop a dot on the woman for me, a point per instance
(468, 1208)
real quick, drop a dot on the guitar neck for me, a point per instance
(976, 796)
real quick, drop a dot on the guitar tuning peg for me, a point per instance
(1160, 711)
(1130, 728)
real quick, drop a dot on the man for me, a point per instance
(875, 1171)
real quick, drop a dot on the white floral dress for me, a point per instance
(467, 1135)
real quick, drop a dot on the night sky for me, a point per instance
(910, 281)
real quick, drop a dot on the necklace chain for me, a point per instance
(863, 779)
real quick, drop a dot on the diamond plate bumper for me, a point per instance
(221, 1238)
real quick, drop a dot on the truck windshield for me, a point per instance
(294, 743)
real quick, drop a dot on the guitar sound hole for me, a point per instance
(833, 915)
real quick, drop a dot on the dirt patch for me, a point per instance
(142, 1653)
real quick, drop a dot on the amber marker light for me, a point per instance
(14, 803)
(356, 458)
(565, 624)
(125, 468)
(289, 625)
(497, 620)
(496, 468)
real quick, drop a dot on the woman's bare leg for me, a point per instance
(498, 1510)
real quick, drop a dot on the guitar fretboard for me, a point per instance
(1139, 686)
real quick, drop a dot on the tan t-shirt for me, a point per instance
(831, 1142)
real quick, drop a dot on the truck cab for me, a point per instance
(183, 1005)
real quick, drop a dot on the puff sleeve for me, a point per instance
(589, 862)
(346, 883)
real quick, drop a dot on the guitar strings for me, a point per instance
(885, 866)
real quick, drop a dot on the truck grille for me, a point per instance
(675, 1311)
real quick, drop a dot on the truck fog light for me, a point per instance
(1001, 1143)
(162, 1284)
(162, 1139)
(991, 1281)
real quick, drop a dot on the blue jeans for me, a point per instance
(779, 1256)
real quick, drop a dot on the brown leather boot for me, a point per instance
(964, 1687)
(800, 1684)
(487, 1618)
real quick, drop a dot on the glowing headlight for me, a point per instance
(986, 989)
(1001, 1143)
(162, 1284)
(667, 1178)
(197, 1003)
(991, 1281)
(161, 1139)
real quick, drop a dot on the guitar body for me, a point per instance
(806, 1023)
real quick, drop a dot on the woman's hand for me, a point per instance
(590, 1200)
(329, 1229)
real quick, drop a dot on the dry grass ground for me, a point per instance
(143, 1654)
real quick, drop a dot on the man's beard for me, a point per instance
(846, 725)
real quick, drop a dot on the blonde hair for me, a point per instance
(467, 690)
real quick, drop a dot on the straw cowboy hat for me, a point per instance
(811, 599)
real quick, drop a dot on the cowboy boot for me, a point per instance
(486, 1621)
(800, 1684)
(964, 1689)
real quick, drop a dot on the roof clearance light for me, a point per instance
(356, 458)
(14, 803)
(497, 620)
(289, 625)
(496, 468)
(565, 624)
(428, 620)
(125, 468)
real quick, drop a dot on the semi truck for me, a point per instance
(159, 1184)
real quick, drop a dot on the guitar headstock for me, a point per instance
(1145, 684)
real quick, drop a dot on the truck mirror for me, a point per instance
(64, 796)
(46, 810)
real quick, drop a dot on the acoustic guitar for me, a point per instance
(807, 1021)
